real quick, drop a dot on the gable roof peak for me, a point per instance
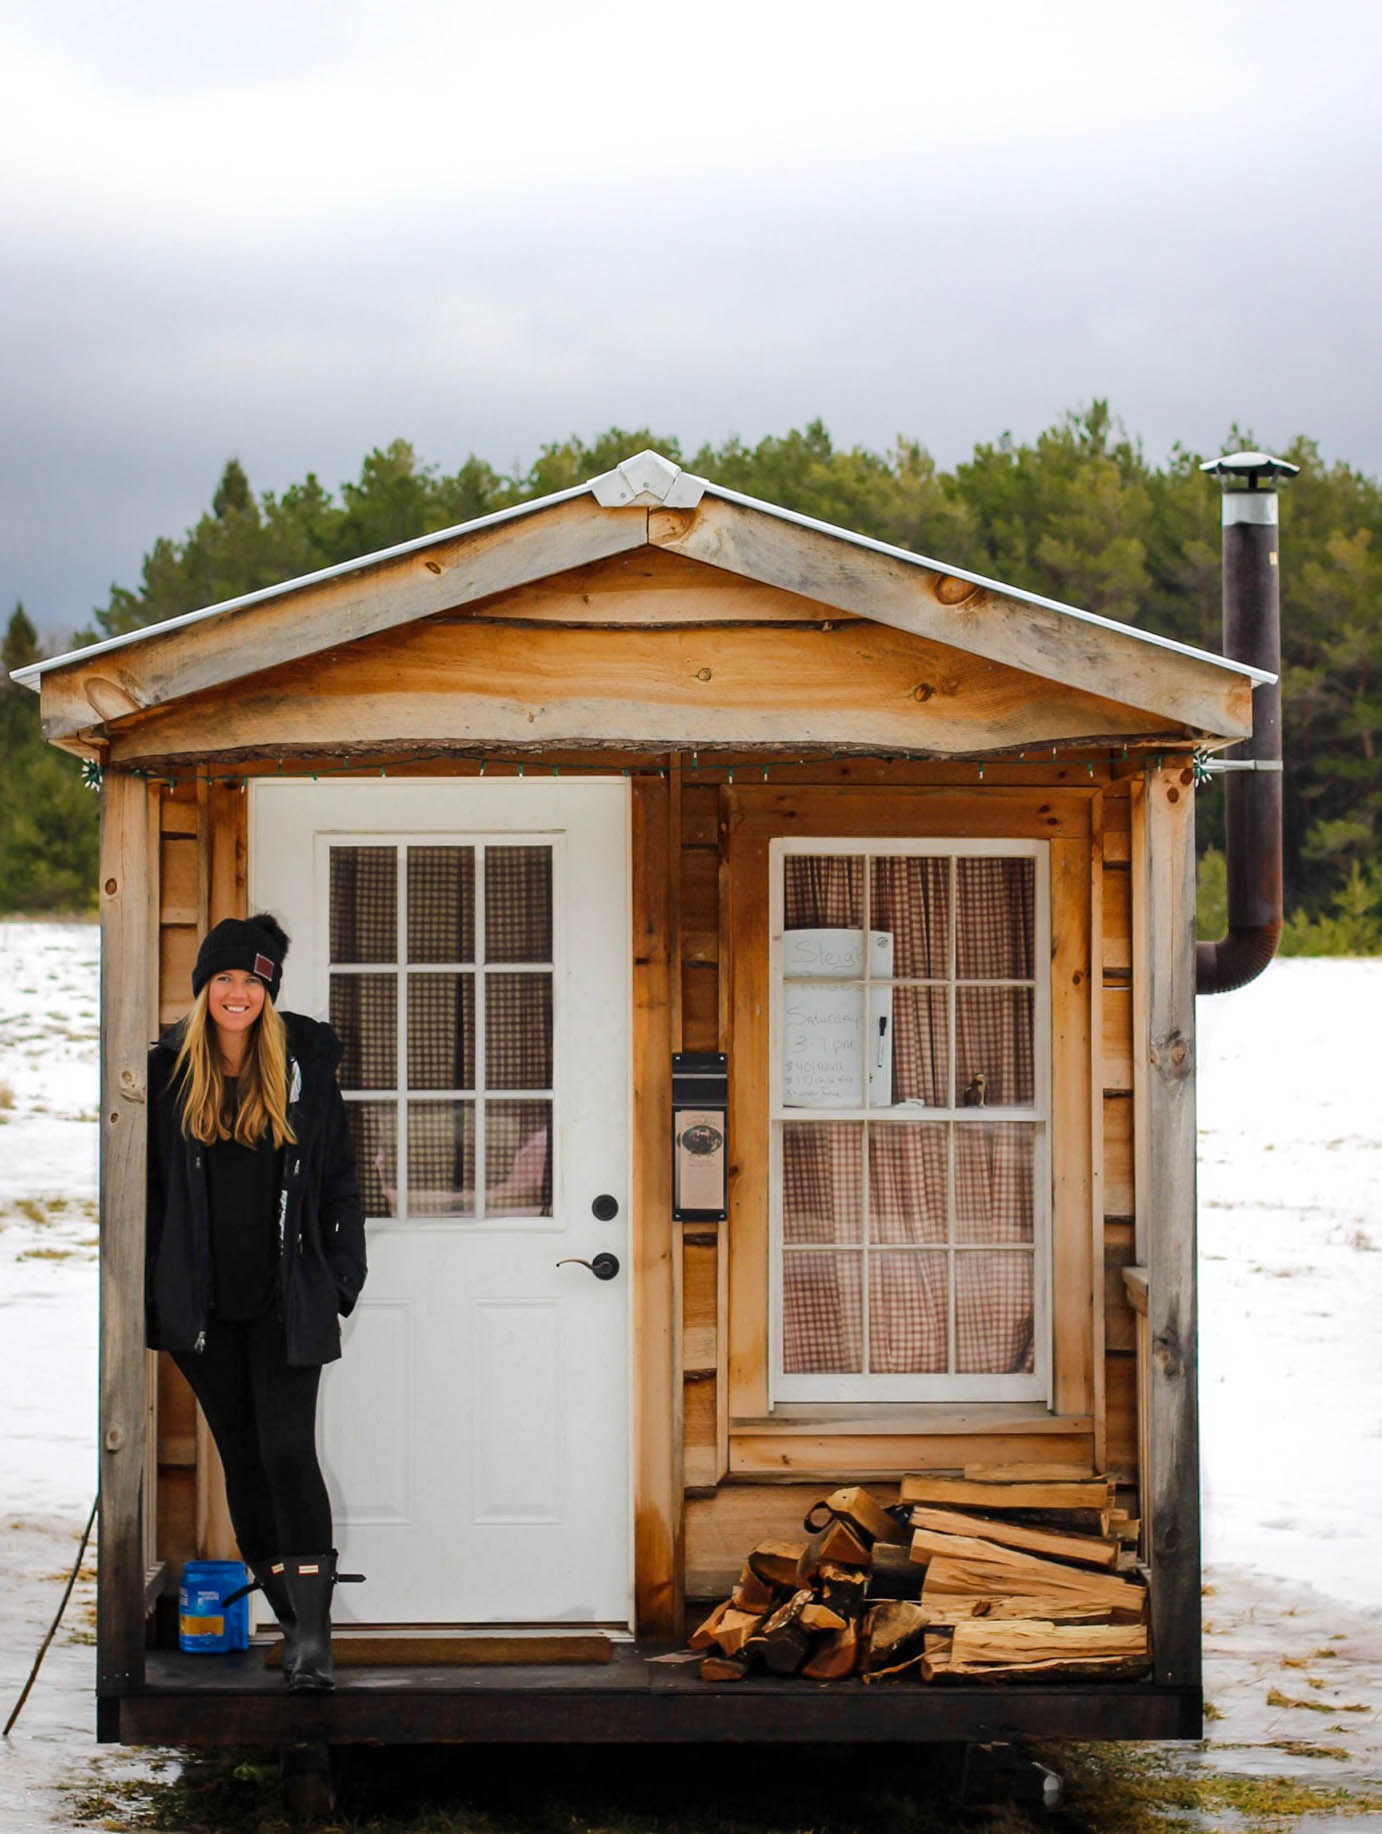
(647, 477)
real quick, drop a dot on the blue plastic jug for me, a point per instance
(207, 1626)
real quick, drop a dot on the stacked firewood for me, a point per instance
(982, 1577)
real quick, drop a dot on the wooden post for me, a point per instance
(658, 1474)
(127, 887)
(1165, 1060)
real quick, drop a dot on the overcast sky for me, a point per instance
(292, 230)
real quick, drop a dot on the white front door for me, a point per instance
(469, 941)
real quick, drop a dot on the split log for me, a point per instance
(842, 1588)
(968, 1568)
(776, 1562)
(863, 1510)
(1031, 1471)
(979, 1642)
(1070, 1668)
(753, 1593)
(1084, 1550)
(958, 1492)
(837, 1655)
(1050, 1610)
(893, 1630)
(735, 1628)
(724, 1668)
(781, 1641)
(707, 1631)
(895, 1573)
(1124, 1528)
(835, 1544)
(821, 1617)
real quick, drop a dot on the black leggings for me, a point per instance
(262, 1414)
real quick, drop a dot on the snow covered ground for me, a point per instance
(1290, 1347)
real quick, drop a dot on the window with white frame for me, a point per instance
(910, 1120)
(440, 976)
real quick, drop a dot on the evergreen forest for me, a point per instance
(1078, 514)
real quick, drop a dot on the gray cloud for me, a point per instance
(1199, 250)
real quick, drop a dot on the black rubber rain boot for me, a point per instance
(311, 1579)
(271, 1578)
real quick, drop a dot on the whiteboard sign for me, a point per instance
(822, 1047)
(836, 955)
(829, 1050)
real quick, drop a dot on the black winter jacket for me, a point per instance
(321, 1227)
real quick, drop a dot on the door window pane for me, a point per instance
(518, 1031)
(364, 1016)
(907, 1314)
(364, 904)
(441, 1159)
(822, 1312)
(518, 1158)
(518, 904)
(822, 1192)
(441, 904)
(441, 1031)
(374, 1134)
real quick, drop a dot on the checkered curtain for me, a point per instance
(364, 904)
(908, 1163)
(994, 1198)
(441, 904)
(518, 904)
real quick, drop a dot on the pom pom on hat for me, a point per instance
(254, 945)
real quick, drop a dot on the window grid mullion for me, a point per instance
(866, 1144)
(481, 987)
(952, 1094)
(401, 1027)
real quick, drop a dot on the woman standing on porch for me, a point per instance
(255, 1243)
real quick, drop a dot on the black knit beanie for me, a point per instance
(255, 945)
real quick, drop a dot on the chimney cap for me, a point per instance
(1250, 470)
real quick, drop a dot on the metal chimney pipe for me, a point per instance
(1253, 790)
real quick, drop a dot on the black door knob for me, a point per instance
(605, 1208)
(604, 1266)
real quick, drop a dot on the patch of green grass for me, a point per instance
(1134, 1789)
(32, 1208)
(46, 1253)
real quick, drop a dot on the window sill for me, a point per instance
(803, 1418)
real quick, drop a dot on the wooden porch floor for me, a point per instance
(236, 1699)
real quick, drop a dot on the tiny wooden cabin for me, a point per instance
(641, 769)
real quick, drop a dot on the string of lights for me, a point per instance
(94, 773)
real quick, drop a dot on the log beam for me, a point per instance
(1165, 1065)
(127, 889)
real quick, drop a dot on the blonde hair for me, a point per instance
(262, 1092)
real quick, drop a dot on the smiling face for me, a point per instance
(234, 1000)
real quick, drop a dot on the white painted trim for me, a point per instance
(905, 1390)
